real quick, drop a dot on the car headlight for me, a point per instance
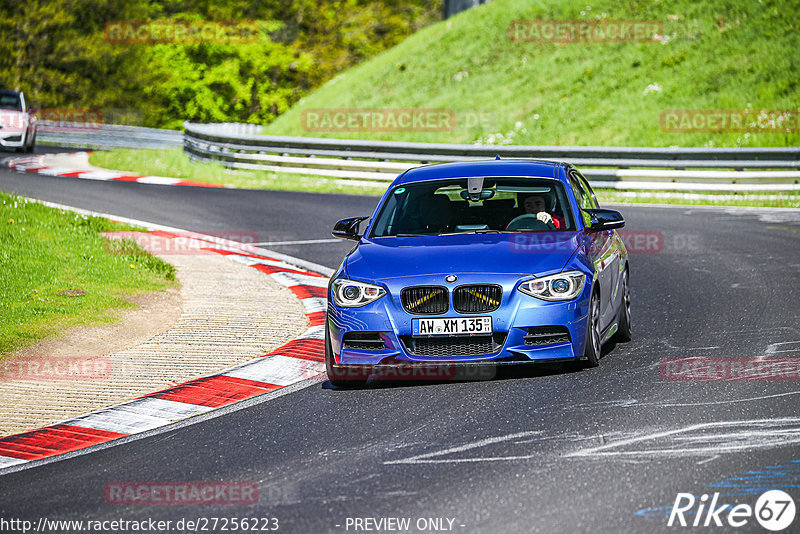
(352, 294)
(562, 286)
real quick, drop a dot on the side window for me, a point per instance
(588, 188)
(577, 189)
(583, 197)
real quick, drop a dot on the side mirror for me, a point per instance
(348, 228)
(605, 219)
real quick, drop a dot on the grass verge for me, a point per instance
(59, 271)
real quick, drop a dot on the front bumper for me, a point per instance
(12, 139)
(517, 315)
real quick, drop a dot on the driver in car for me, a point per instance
(537, 205)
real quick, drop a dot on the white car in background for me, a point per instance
(17, 123)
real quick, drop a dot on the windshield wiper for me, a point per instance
(482, 231)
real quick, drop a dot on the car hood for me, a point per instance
(524, 253)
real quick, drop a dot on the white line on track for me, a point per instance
(428, 458)
(713, 403)
(704, 438)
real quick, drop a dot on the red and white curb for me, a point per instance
(297, 360)
(36, 164)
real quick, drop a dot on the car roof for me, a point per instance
(466, 169)
(9, 92)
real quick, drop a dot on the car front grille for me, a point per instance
(454, 346)
(477, 298)
(425, 300)
(546, 335)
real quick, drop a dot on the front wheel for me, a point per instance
(623, 334)
(592, 350)
(342, 376)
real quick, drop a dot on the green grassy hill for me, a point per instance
(728, 54)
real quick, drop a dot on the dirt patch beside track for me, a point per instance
(225, 313)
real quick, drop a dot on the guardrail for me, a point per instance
(721, 169)
(85, 135)
(241, 146)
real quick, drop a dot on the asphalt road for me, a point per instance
(600, 450)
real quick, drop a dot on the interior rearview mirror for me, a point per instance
(477, 196)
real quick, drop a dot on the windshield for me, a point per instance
(10, 102)
(475, 205)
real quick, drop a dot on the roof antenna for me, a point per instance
(497, 157)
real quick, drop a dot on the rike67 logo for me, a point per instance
(774, 510)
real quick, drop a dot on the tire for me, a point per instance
(593, 345)
(342, 376)
(623, 334)
(32, 146)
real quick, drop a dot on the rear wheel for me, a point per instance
(624, 330)
(342, 376)
(592, 350)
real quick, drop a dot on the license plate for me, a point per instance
(450, 326)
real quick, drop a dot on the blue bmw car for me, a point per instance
(478, 263)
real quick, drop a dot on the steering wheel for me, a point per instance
(528, 222)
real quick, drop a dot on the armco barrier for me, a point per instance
(720, 169)
(644, 168)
